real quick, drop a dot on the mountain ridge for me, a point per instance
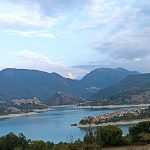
(134, 88)
(25, 83)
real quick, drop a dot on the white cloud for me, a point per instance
(102, 15)
(38, 33)
(32, 57)
(99, 8)
(126, 44)
(71, 75)
(21, 15)
(33, 60)
(120, 30)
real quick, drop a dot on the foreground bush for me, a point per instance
(140, 134)
(109, 136)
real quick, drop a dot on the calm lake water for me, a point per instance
(51, 126)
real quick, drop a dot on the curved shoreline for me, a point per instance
(113, 123)
(34, 112)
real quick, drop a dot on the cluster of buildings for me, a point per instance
(26, 101)
(119, 114)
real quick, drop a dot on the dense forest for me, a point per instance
(107, 136)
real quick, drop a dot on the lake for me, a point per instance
(53, 125)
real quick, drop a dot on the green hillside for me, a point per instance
(134, 89)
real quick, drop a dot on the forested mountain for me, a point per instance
(22, 83)
(132, 89)
(101, 78)
(104, 77)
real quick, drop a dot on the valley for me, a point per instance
(26, 84)
(38, 91)
(117, 101)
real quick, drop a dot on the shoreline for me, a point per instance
(99, 107)
(34, 112)
(113, 123)
(112, 106)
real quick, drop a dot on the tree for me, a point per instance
(50, 145)
(38, 145)
(89, 137)
(140, 132)
(2, 143)
(23, 142)
(11, 141)
(109, 136)
(18, 148)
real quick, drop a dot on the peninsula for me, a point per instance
(116, 118)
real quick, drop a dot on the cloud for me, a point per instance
(127, 41)
(98, 14)
(71, 75)
(122, 34)
(46, 14)
(126, 45)
(55, 7)
(118, 31)
(99, 8)
(24, 16)
(38, 33)
(37, 60)
(33, 60)
(87, 67)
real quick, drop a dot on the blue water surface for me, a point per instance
(54, 125)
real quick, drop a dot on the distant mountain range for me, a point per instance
(25, 84)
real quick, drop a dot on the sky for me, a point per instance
(73, 37)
